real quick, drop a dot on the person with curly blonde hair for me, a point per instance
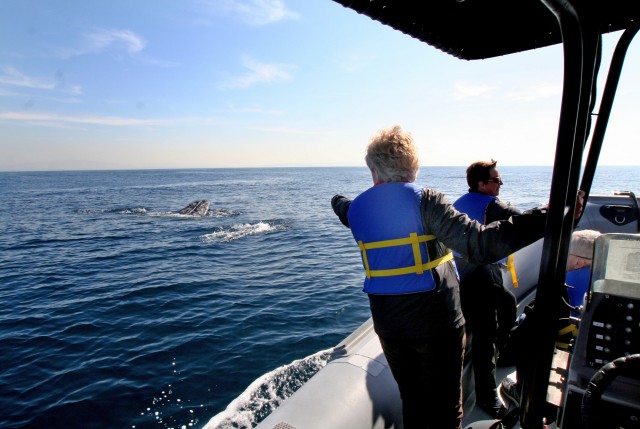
(404, 233)
(393, 157)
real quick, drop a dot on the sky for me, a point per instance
(124, 84)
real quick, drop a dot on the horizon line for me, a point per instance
(269, 167)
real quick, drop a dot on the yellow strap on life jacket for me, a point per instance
(414, 240)
(572, 330)
(569, 329)
(511, 266)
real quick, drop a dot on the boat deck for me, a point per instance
(476, 418)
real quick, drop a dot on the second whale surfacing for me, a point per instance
(196, 208)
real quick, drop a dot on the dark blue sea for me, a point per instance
(116, 312)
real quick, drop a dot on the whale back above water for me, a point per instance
(196, 208)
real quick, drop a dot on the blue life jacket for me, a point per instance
(578, 285)
(475, 204)
(386, 223)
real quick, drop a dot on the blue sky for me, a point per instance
(251, 83)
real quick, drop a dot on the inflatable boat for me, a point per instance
(594, 383)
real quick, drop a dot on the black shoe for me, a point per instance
(510, 391)
(495, 408)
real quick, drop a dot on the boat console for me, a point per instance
(603, 381)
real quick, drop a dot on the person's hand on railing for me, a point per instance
(579, 205)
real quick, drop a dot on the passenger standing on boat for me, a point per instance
(404, 233)
(489, 307)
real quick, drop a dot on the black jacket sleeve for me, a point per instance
(340, 205)
(499, 210)
(480, 244)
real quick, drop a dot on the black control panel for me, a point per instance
(614, 329)
(609, 331)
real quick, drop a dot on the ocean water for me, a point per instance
(116, 312)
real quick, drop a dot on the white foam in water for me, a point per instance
(138, 210)
(237, 231)
(267, 392)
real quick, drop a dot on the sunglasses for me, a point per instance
(495, 180)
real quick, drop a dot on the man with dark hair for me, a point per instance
(488, 306)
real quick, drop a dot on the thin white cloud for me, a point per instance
(464, 90)
(119, 43)
(13, 77)
(255, 110)
(294, 131)
(117, 39)
(49, 89)
(154, 62)
(253, 12)
(536, 92)
(50, 119)
(263, 12)
(92, 120)
(257, 73)
(355, 62)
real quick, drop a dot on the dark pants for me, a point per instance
(429, 372)
(490, 311)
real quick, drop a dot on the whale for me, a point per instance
(195, 208)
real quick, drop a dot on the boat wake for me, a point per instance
(267, 392)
